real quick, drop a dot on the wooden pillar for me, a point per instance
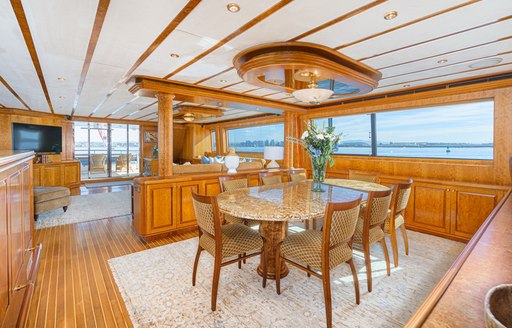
(291, 150)
(165, 138)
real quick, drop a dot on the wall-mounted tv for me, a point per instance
(39, 138)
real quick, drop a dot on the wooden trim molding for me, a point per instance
(25, 30)
(4, 82)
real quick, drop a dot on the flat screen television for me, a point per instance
(39, 138)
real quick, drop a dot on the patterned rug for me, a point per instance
(87, 208)
(157, 290)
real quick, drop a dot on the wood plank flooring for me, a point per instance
(75, 287)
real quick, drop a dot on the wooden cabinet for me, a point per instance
(18, 257)
(451, 210)
(66, 174)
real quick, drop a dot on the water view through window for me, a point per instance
(458, 131)
(253, 139)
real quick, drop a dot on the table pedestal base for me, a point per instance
(273, 233)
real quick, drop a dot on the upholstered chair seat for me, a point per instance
(375, 234)
(236, 239)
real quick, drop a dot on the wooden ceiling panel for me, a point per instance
(435, 27)
(472, 38)
(61, 44)
(359, 26)
(17, 67)
(490, 50)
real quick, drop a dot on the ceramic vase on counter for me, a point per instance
(232, 161)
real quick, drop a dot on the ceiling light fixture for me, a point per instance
(391, 15)
(61, 78)
(406, 85)
(62, 97)
(233, 7)
(442, 61)
(312, 94)
(223, 81)
(173, 55)
(189, 117)
(486, 62)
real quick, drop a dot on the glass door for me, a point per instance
(99, 151)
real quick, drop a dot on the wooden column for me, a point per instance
(165, 140)
(291, 129)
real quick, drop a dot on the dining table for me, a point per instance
(274, 206)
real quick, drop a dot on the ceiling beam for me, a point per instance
(25, 30)
(148, 86)
(198, 110)
(101, 12)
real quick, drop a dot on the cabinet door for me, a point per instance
(430, 207)
(71, 173)
(160, 209)
(52, 176)
(15, 210)
(185, 206)
(4, 252)
(470, 208)
(27, 207)
(37, 176)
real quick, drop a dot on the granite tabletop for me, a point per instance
(291, 201)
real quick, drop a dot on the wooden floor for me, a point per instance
(75, 287)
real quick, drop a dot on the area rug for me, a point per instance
(87, 208)
(156, 287)
(109, 184)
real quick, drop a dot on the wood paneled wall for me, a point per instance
(494, 172)
(7, 118)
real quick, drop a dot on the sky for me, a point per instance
(458, 123)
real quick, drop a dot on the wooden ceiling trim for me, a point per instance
(4, 82)
(504, 53)
(232, 84)
(444, 75)
(250, 90)
(233, 35)
(338, 19)
(191, 5)
(408, 24)
(437, 38)
(148, 86)
(444, 66)
(101, 13)
(27, 35)
(272, 93)
(214, 75)
(142, 117)
(447, 53)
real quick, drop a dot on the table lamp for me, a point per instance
(273, 153)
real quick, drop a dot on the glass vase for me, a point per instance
(318, 166)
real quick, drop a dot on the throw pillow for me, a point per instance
(205, 160)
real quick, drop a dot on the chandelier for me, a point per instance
(312, 94)
(189, 117)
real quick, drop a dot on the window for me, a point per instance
(107, 150)
(463, 131)
(214, 141)
(356, 129)
(458, 131)
(253, 139)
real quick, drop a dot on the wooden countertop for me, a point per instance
(7, 157)
(458, 299)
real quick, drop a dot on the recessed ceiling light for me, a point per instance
(223, 81)
(62, 97)
(219, 104)
(61, 78)
(233, 7)
(174, 55)
(486, 63)
(406, 85)
(442, 61)
(391, 15)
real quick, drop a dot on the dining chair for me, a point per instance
(297, 175)
(369, 228)
(223, 242)
(322, 250)
(233, 182)
(98, 162)
(363, 176)
(396, 217)
(270, 177)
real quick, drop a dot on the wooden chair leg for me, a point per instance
(307, 224)
(309, 274)
(240, 262)
(368, 264)
(386, 254)
(406, 240)
(245, 254)
(326, 282)
(278, 269)
(395, 248)
(65, 208)
(354, 277)
(215, 284)
(196, 261)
